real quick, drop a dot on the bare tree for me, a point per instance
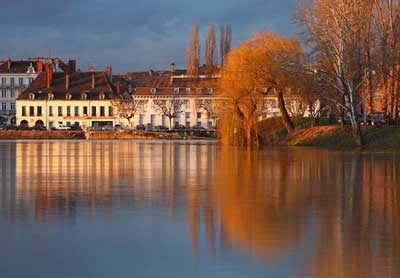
(193, 52)
(336, 29)
(211, 50)
(170, 107)
(225, 42)
(209, 105)
(128, 107)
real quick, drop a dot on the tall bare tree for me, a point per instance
(336, 29)
(211, 53)
(193, 52)
(225, 42)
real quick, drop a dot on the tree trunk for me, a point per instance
(285, 115)
(354, 121)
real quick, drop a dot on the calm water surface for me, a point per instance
(135, 209)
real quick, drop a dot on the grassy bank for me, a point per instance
(139, 135)
(328, 136)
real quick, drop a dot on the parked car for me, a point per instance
(161, 128)
(39, 127)
(76, 127)
(377, 119)
(61, 127)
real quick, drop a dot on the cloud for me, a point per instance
(130, 35)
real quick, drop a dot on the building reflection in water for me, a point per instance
(346, 205)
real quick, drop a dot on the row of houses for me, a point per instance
(47, 92)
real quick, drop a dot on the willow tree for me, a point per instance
(211, 59)
(258, 66)
(193, 52)
(336, 30)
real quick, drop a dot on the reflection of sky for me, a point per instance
(130, 35)
(156, 209)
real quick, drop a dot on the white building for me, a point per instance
(15, 76)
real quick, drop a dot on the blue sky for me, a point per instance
(129, 34)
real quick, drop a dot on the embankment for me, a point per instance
(41, 135)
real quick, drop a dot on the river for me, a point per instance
(195, 209)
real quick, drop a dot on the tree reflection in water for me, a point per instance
(344, 204)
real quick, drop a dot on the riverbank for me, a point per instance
(92, 135)
(338, 137)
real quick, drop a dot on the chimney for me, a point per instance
(39, 65)
(91, 69)
(49, 74)
(67, 82)
(93, 81)
(118, 88)
(109, 72)
(72, 65)
(9, 63)
(172, 68)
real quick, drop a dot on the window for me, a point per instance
(21, 82)
(76, 111)
(68, 111)
(153, 91)
(50, 111)
(76, 123)
(12, 106)
(39, 111)
(30, 80)
(198, 115)
(110, 111)
(23, 110)
(188, 90)
(153, 120)
(3, 93)
(176, 90)
(31, 96)
(163, 121)
(93, 111)
(12, 82)
(3, 82)
(85, 110)
(68, 123)
(141, 119)
(31, 111)
(60, 111)
(3, 106)
(187, 119)
(12, 93)
(51, 124)
(177, 119)
(102, 111)
(210, 91)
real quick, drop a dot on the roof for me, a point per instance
(148, 91)
(9, 66)
(79, 82)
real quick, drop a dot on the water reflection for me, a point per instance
(312, 212)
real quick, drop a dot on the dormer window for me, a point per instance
(188, 90)
(84, 96)
(210, 91)
(68, 96)
(153, 91)
(31, 96)
(176, 91)
(198, 90)
(102, 96)
(31, 69)
(50, 96)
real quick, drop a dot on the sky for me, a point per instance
(130, 35)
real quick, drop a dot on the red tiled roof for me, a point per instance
(79, 82)
(16, 66)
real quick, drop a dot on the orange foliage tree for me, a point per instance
(261, 65)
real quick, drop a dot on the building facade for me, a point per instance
(15, 76)
(66, 99)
